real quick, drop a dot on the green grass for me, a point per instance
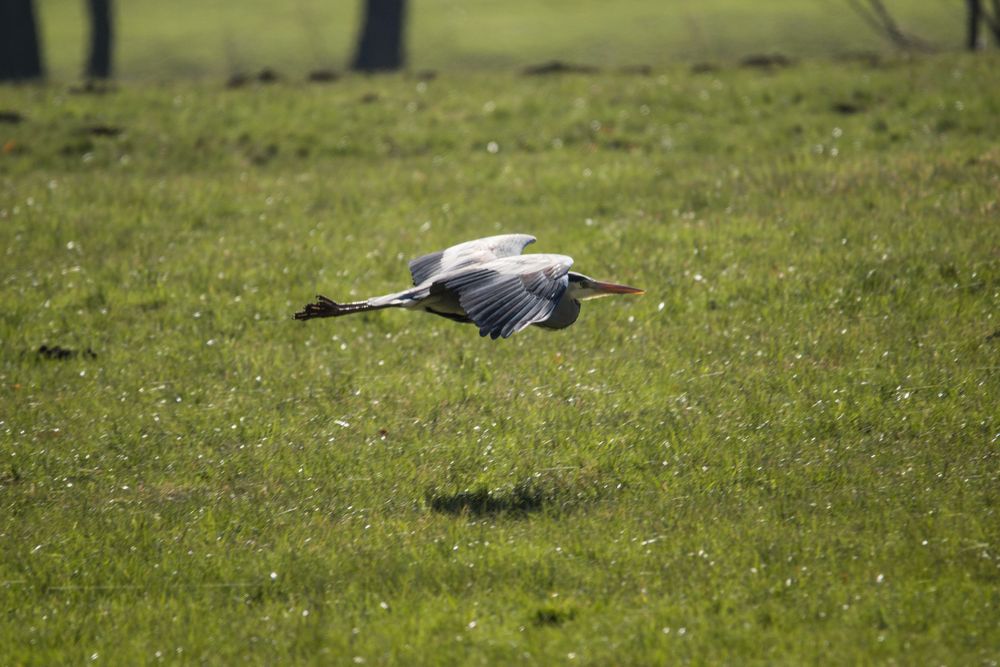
(193, 38)
(786, 452)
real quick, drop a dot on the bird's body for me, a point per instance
(490, 283)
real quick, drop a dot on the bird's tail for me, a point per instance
(325, 307)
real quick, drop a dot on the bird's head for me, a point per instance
(583, 287)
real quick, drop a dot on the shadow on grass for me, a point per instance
(519, 501)
(553, 615)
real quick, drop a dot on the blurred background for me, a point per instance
(154, 40)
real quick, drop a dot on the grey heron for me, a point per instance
(490, 283)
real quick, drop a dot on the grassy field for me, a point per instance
(786, 452)
(193, 38)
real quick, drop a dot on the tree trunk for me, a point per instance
(101, 37)
(20, 55)
(994, 22)
(974, 14)
(380, 47)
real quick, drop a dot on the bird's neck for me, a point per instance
(565, 313)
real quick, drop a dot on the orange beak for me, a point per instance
(613, 288)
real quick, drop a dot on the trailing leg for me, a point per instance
(325, 307)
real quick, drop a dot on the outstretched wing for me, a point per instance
(467, 254)
(508, 294)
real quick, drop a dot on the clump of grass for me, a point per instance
(518, 501)
(553, 615)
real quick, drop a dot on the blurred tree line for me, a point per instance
(20, 48)
(379, 47)
(880, 19)
(380, 42)
(977, 14)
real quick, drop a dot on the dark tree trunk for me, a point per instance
(994, 22)
(101, 36)
(20, 55)
(975, 13)
(380, 46)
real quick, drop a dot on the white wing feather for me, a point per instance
(470, 253)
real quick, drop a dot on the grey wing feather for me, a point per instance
(468, 254)
(506, 295)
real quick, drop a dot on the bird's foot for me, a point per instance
(323, 307)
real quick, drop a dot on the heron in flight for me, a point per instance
(490, 283)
